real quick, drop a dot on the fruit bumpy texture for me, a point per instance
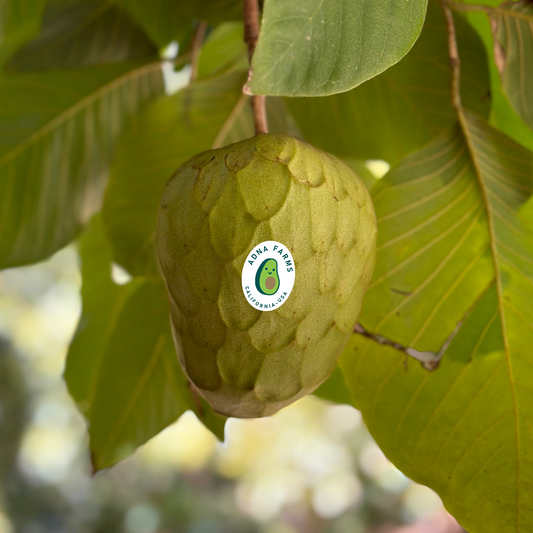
(215, 209)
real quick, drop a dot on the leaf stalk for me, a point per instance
(251, 35)
(455, 62)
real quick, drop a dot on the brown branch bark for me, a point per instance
(455, 62)
(251, 34)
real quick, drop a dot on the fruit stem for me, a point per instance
(251, 35)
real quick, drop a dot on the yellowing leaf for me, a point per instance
(454, 246)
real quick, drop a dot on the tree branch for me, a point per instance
(455, 62)
(251, 34)
(251, 25)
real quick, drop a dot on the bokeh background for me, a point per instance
(312, 468)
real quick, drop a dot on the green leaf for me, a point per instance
(19, 21)
(321, 47)
(82, 34)
(402, 109)
(122, 368)
(102, 302)
(453, 246)
(212, 10)
(515, 36)
(431, 221)
(168, 133)
(502, 115)
(223, 50)
(57, 136)
(334, 389)
(162, 20)
(139, 389)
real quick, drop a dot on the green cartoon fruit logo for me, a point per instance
(267, 277)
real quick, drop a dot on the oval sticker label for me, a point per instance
(268, 275)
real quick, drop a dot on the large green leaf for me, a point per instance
(320, 47)
(515, 36)
(57, 136)
(162, 20)
(19, 22)
(122, 368)
(168, 133)
(85, 33)
(400, 110)
(453, 246)
(139, 389)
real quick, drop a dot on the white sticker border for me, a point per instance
(286, 275)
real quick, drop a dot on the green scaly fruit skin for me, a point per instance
(215, 209)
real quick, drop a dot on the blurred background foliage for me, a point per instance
(311, 468)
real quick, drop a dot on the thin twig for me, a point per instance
(196, 47)
(429, 360)
(455, 62)
(260, 116)
(251, 25)
(251, 35)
